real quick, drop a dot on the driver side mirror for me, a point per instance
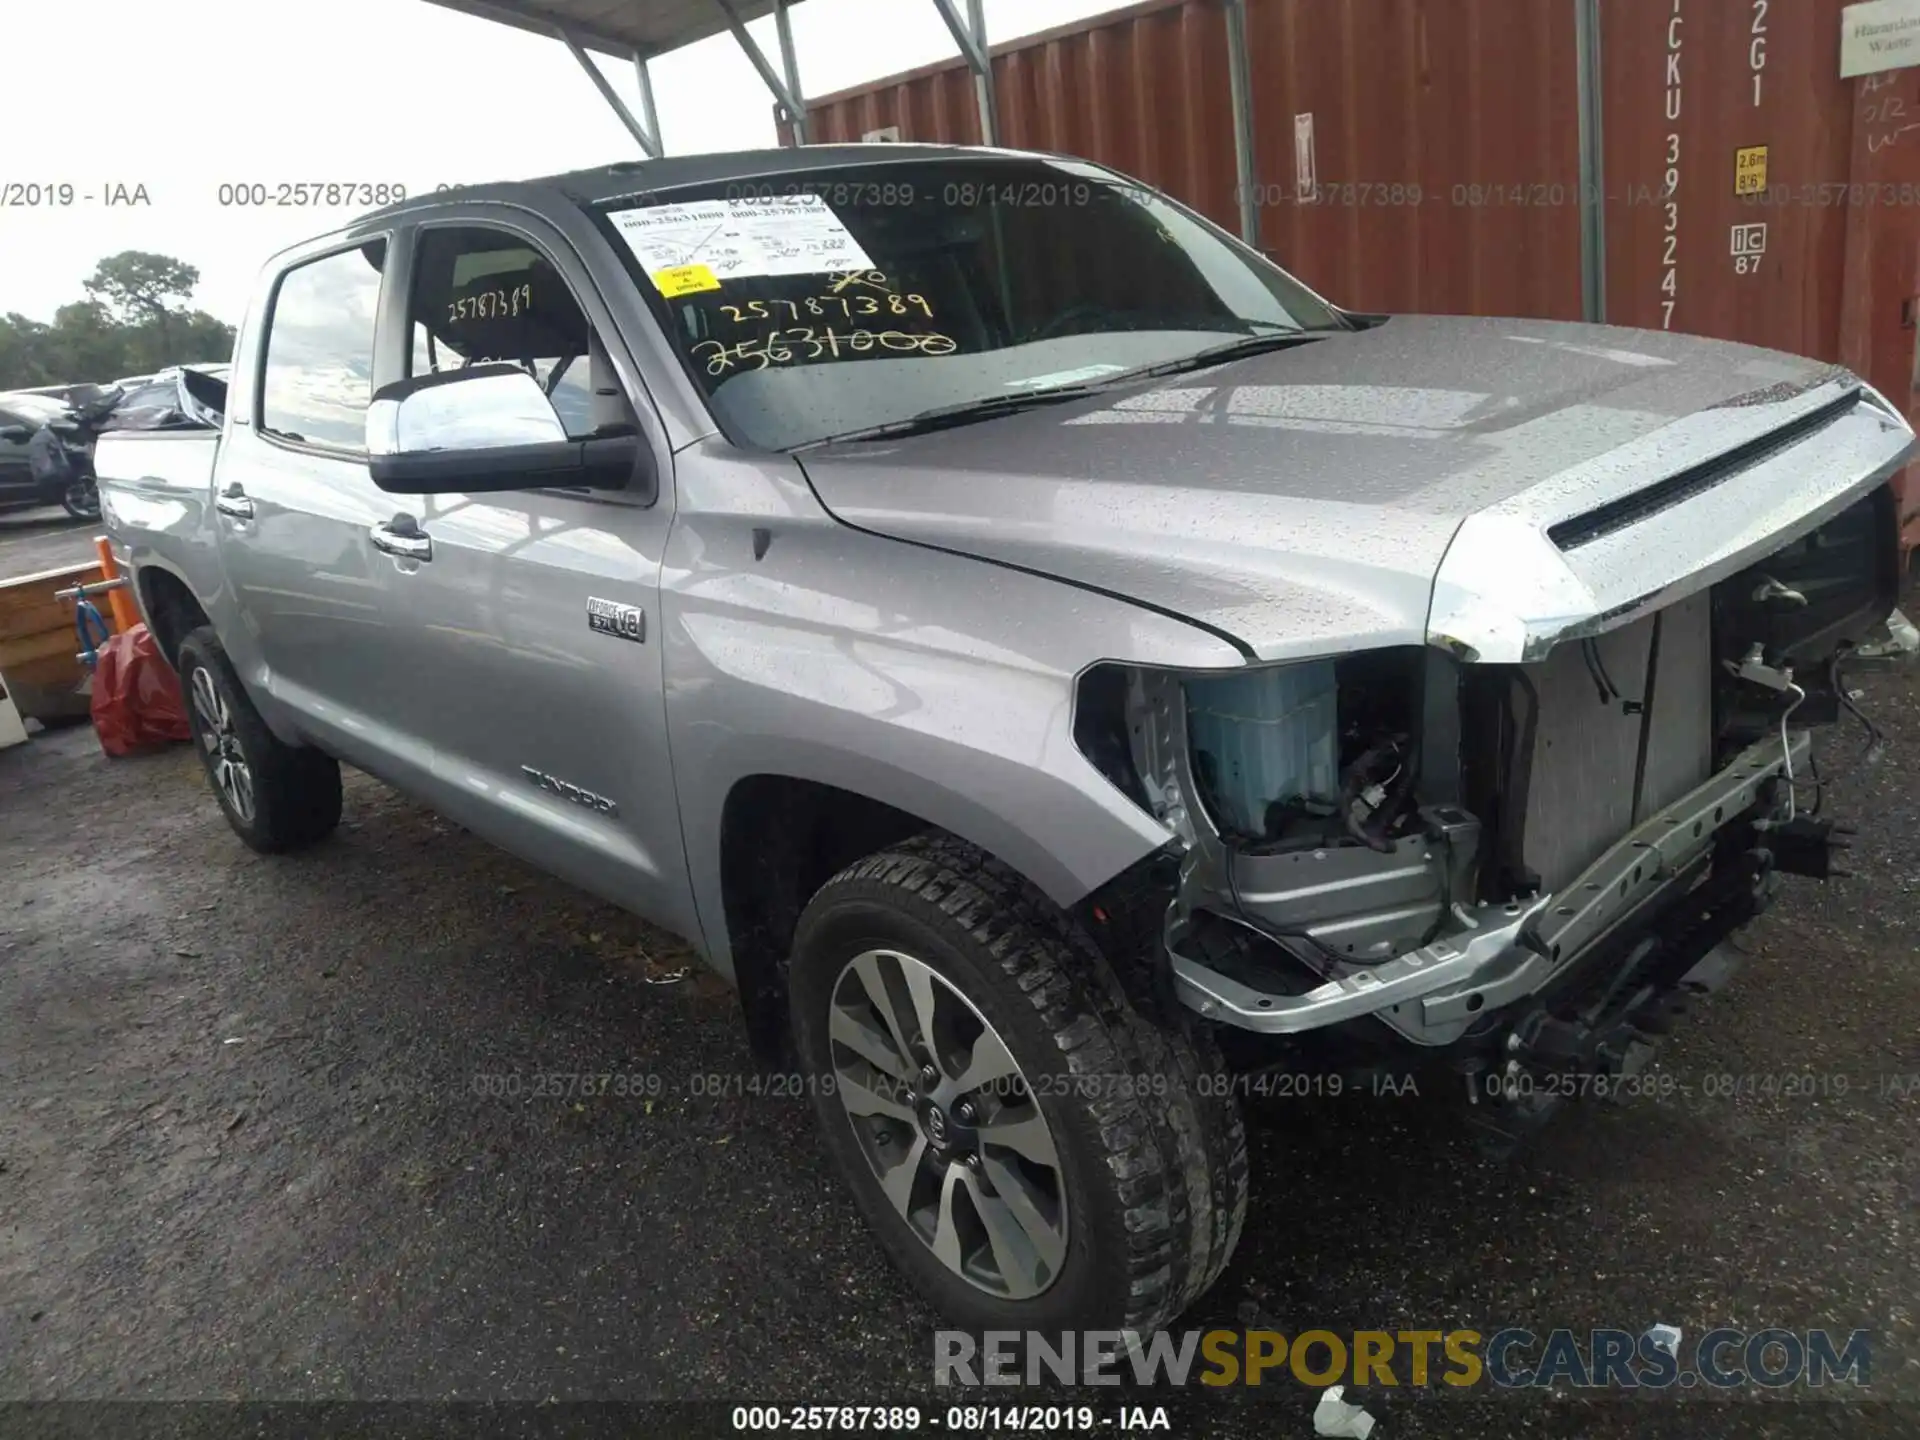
(485, 429)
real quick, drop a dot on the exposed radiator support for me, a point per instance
(1592, 755)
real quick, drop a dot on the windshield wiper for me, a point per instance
(946, 417)
(1220, 354)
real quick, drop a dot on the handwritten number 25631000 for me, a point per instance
(784, 347)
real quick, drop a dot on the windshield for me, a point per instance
(821, 303)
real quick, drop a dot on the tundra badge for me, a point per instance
(567, 791)
(610, 617)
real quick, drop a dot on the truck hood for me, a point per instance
(1307, 500)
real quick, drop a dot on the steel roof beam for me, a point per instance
(790, 63)
(1240, 96)
(507, 14)
(785, 88)
(649, 114)
(649, 139)
(1593, 211)
(653, 27)
(970, 34)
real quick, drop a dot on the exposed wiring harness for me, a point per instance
(1786, 747)
(1603, 681)
(1876, 739)
(1869, 753)
(1382, 800)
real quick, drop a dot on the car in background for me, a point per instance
(46, 440)
(79, 394)
(181, 397)
(46, 454)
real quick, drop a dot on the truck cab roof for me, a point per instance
(674, 172)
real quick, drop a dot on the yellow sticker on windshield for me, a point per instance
(684, 280)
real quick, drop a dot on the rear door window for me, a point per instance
(318, 377)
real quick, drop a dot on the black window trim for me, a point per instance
(255, 421)
(577, 275)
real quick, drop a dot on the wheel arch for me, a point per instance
(778, 837)
(171, 608)
(781, 839)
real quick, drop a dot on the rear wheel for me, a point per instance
(275, 797)
(1029, 1149)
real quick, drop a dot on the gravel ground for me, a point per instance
(247, 1152)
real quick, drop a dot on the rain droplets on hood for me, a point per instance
(1305, 498)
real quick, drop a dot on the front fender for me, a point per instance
(940, 685)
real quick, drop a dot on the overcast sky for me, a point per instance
(184, 96)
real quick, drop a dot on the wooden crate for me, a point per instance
(39, 648)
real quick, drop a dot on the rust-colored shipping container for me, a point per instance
(1141, 89)
(1419, 156)
(1426, 155)
(1375, 183)
(1738, 109)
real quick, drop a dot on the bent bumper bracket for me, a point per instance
(1502, 953)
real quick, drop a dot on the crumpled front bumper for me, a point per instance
(1500, 955)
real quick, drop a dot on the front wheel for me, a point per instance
(81, 499)
(1028, 1148)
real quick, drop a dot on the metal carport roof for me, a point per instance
(617, 27)
(642, 29)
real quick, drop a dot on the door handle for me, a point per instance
(233, 503)
(405, 541)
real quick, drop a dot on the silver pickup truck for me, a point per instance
(1057, 666)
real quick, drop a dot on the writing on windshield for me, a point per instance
(854, 315)
(861, 295)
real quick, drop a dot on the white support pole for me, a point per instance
(787, 99)
(1240, 94)
(1593, 207)
(970, 34)
(790, 63)
(648, 141)
(649, 116)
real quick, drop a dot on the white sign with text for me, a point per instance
(1879, 35)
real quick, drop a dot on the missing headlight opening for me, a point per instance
(1401, 837)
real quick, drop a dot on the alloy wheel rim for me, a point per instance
(226, 761)
(949, 1124)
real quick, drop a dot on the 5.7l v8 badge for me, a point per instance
(610, 617)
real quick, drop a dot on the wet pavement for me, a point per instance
(43, 539)
(307, 1129)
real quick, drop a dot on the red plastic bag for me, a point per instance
(136, 697)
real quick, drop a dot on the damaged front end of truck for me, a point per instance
(1512, 853)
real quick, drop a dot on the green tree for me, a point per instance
(134, 320)
(23, 346)
(138, 285)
